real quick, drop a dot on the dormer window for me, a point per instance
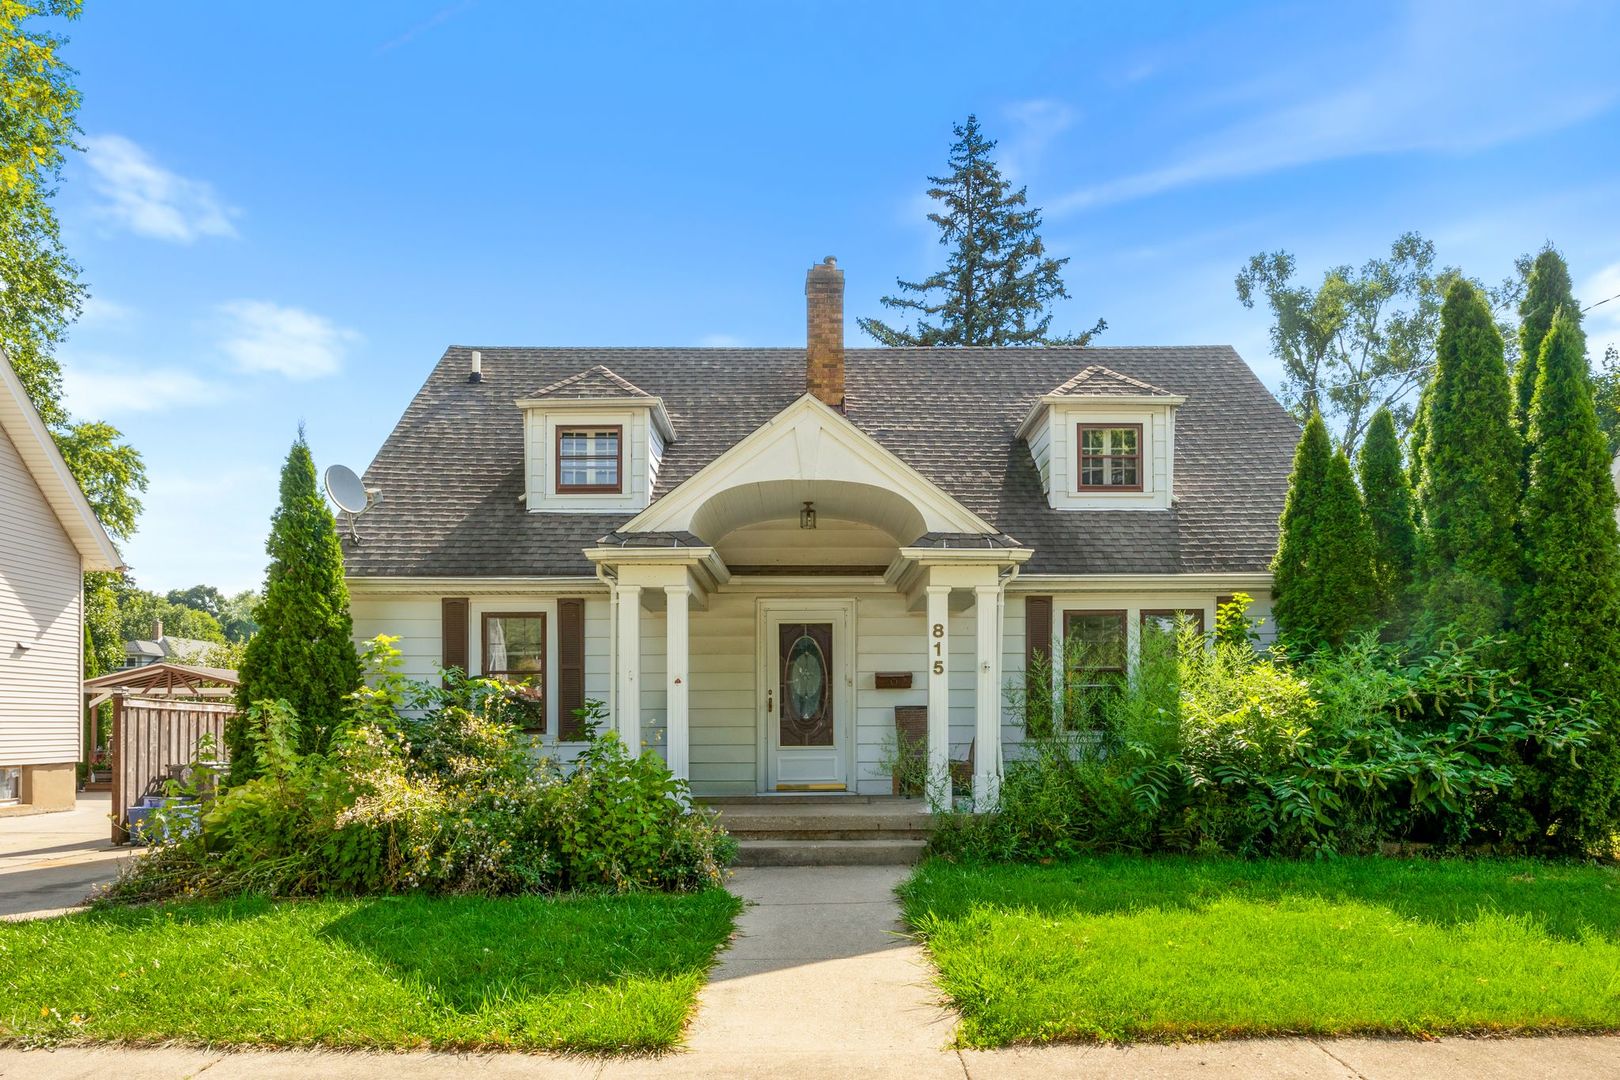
(1104, 441)
(1110, 457)
(590, 460)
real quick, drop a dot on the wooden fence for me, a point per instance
(150, 740)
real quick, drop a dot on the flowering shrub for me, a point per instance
(438, 790)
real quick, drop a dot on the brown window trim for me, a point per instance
(542, 674)
(590, 489)
(1080, 458)
(1069, 615)
(1171, 613)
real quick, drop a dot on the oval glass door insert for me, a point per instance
(806, 687)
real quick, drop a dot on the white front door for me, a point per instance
(807, 682)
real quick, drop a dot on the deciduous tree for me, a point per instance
(998, 284)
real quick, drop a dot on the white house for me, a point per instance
(49, 537)
(754, 555)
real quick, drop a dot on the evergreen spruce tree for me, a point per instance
(1547, 291)
(1469, 493)
(1323, 585)
(303, 653)
(1388, 498)
(1571, 617)
(998, 284)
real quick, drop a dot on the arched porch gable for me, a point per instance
(809, 451)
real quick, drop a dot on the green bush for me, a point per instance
(436, 790)
(1213, 746)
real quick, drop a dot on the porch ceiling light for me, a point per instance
(807, 516)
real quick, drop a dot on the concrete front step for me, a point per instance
(812, 826)
(887, 852)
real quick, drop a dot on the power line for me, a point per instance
(1600, 303)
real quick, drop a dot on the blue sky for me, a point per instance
(286, 211)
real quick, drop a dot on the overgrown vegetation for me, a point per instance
(1117, 948)
(1214, 746)
(431, 789)
(586, 973)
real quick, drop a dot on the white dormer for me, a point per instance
(592, 443)
(1104, 441)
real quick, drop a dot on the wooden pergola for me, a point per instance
(160, 712)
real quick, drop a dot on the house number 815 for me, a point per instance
(938, 632)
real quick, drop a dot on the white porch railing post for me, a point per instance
(987, 711)
(627, 679)
(676, 650)
(938, 652)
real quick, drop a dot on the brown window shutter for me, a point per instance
(453, 633)
(570, 668)
(1037, 630)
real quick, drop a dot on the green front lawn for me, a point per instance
(1122, 948)
(586, 973)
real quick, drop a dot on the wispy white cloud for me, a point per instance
(142, 196)
(1602, 320)
(1034, 125)
(1430, 92)
(105, 387)
(443, 14)
(264, 337)
(99, 311)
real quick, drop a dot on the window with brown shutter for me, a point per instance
(570, 668)
(453, 636)
(1037, 632)
(515, 653)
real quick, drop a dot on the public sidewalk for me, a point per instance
(49, 863)
(820, 983)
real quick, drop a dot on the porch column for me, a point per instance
(938, 651)
(627, 677)
(676, 651)
(987, 713)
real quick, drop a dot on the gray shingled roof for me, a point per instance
(594, 382)
(1098, 381)
(452, 471)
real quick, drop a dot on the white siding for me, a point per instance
(540, 446)
(41, 627)
(1054, 444)
(725, 700)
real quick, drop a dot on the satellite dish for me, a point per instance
(346, 490)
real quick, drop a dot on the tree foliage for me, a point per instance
(998, 283)
(1386, 493)
(234, 614)
(1323, 585)
(1570, 623)
(302, 655)
(42, 293)
(1548, 290)
(1362, 340)
(1469, 493)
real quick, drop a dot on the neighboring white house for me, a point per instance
(754, 555)
(163, 648)
(49, 537)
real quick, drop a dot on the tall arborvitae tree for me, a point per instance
(1323, 584)
(1548, 291)
(1570, 622)
(1469, 473)
(303, 653)
(998, 284)
(1386, 493)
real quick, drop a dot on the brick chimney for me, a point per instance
(824, 350)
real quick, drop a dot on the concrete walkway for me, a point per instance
(49, 863)
(818, 983)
